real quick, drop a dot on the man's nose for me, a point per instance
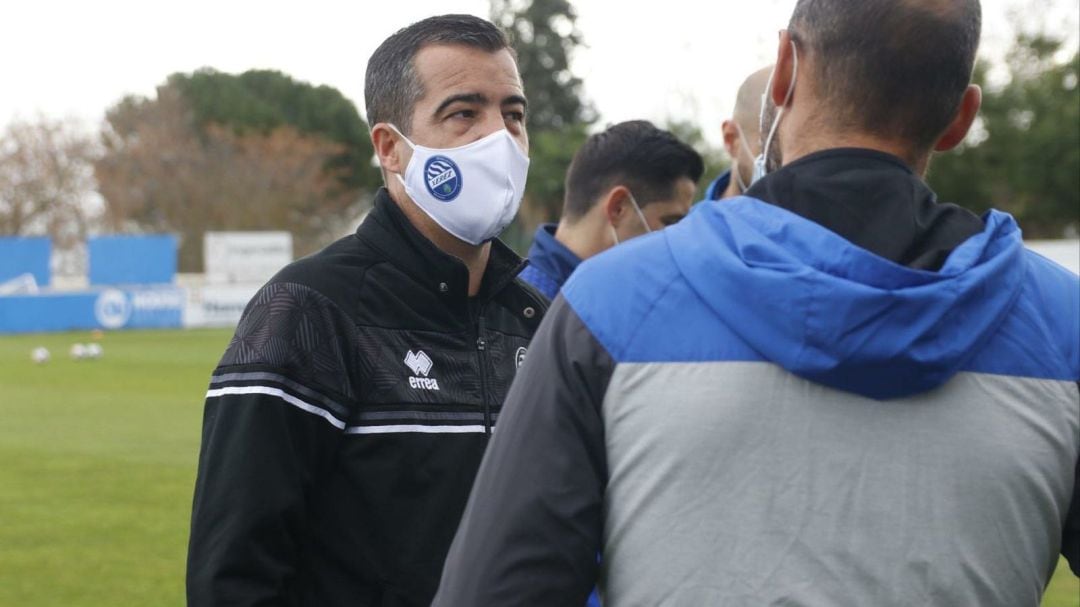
(493, 121)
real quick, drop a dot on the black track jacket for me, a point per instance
(346, 421)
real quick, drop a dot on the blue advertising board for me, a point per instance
(128, 308)
(132, 260)
(25, 255)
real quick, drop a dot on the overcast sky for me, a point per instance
(679, 58)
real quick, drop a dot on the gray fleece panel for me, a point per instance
(740, 484)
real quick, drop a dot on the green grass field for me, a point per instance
(97, 464)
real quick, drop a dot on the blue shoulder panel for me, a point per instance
(1041, 337)
(748, 281)
(640, 309)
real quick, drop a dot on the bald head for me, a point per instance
(748, 102)
(895, 69)
(742, 132)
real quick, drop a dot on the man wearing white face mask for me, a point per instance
(347, 418)
(626, 181)
(742, 138)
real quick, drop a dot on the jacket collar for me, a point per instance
(874, 201)
(388, 229)
(551, 256)
(718, 186)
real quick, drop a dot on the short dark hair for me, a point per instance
(391, 86)
(635, 154)
(895, 68)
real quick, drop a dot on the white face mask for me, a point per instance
(472, 191)
(743, 186)
(640, 215)
(761, 167)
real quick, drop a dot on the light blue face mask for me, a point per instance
(761, 167)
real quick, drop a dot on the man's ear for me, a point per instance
(784, 72)
(393, 154)
(961, 123)
(731, 139)
(613, 204)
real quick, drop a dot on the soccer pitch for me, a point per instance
(97, 465)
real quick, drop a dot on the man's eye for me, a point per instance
(515, 116)
(467, 114)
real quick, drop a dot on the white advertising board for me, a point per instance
(217, 305)
(1064, 252)
(245, 257)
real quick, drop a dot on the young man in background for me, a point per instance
(629, 180)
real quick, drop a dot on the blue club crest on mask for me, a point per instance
(443, 178)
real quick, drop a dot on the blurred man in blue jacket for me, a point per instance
(628, 180)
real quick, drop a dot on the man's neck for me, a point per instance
(475, 257)
(581, 237)
(804, 146)
(732, 190)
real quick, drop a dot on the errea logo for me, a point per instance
(420, 364)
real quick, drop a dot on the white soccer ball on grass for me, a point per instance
(40, 355)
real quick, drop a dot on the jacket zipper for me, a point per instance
(481, 357)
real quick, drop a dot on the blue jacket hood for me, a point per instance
(837, 314)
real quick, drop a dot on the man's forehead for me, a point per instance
(454, 68)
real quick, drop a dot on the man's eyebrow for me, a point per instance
(464, 98)
(516, 99)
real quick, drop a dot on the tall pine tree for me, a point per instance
(544, 35)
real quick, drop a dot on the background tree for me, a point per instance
(1024, 156)
(46, 180)
(215, 152)
(263, 100)
(544, 36)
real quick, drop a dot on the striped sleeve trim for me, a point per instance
(418, 421)
(281, 394)
(423, 416)
(266, 378)
(402, 421)
(416, 429)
